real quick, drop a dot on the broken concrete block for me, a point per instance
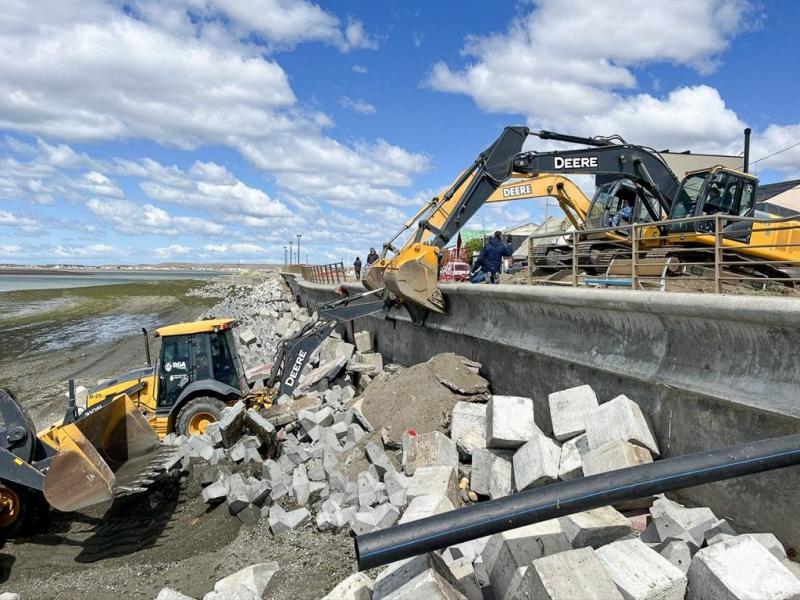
(301, 488)
(379, 458)
(363, 340)
(426, 506)
(201, 446)
(464, 572)
(677, 552)
(468, 426)
(362, 521)
(333, 348)
(536, 462)
(254, 578)
(434, 481)
(430, 449)
(356, 587)
(513, 550)
(281, 521)
(247, 337)
(216, 492)
(640, 572)
(595, 527)
(720, 530)
(385, 515)
(770, 542)
(620, 419)
(258, 425)
(249, 515)
(398, 579)
(164, 594)
(739, 568)
(568, 410)
(238, 496)
(500, 478)
(214, 434)
(567, 576)
(614, 455)
(397, 488)
(571, 464)
(509, 421)
(483, 463)
(368, 489)
(231, 423)
(678, 522)
(372, 359)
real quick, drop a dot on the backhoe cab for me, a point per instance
(715, 191)
(197, 375)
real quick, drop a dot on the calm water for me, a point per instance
(12, 282)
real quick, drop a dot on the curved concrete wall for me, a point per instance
(709, 371)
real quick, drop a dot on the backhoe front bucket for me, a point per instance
(414, 276)
(98, 453)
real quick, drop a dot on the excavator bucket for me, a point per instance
(413, 277)
(373, 278)
(111, 450)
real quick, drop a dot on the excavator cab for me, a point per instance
(715, 191)
(620, 203)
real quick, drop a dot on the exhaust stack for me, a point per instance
(746, 161)
(147, 348)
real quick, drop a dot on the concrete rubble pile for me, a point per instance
(652, 548)
(316, 461)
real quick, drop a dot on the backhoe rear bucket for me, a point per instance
(99, 453)
(415, 279)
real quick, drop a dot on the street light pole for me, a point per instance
(291, 251)
(298, 248)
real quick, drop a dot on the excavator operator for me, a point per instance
(490, 260)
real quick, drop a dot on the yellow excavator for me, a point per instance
(409, 274)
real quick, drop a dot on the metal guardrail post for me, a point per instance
(717, 254)
(575, 259)
(634, 257)
(530, 260)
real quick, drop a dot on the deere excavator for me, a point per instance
(111, 447)
(410, 274)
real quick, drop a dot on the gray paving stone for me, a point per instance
(536, 463)
(568, 410)
(468, 426)
(429, 449)
(640, 572)
(434, 481)
(570, 575)
(356, 587)
(620, 419)
(595, 527)
(509, 421)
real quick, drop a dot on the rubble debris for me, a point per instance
(356, 587)
(426, 506)
(468, 427)
(640, 572)
(568, 410)
(595, 528)
(254, 579)
(424, 576)
(434, 481)
(364, 341)
(536, 462)
(570, 465)
(509, 422)
(459, 374)
(431, 449)
(164, 594)
(740, 568)
(491, 473)
(566, 576)
(620, 419)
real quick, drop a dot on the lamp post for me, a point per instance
(298, 248)
(291, 250)
(285, 256)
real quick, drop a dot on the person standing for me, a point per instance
(357, 267)
(490, 260)
(372, 256)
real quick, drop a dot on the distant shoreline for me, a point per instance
(34, 271)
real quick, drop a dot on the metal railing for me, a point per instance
(330, 273)
(715, 253)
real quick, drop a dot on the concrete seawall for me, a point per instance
(708, 371)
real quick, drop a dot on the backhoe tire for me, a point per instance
(29, 513)
(197, 414)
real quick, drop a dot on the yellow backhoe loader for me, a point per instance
(111, 447)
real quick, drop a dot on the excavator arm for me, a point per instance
(412, 274)
(641, 165)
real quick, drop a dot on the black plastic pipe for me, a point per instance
(568, 497)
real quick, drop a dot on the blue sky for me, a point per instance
(216, 130)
